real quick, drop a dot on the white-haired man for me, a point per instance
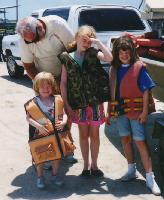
(40, 43)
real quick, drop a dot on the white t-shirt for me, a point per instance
(44, 53)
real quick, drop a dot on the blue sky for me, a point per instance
(27, 6)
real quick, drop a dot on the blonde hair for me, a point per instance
(84, 30)
(42, 77)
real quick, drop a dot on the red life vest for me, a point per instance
(129, 89)
(130, 93)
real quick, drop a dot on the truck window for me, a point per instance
(35, 16)
(111, 19)
(61, 12)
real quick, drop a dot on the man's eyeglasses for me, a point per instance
(36, 39)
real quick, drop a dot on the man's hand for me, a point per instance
(31, 70)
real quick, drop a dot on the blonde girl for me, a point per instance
(84, 88)
(44, 87)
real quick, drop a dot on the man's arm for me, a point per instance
(31, 70)
(27, 58)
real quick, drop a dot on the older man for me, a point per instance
(41, 41)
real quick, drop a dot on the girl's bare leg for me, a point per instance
(84, 144)
(94, 145)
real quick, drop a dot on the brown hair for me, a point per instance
(123, 43)
(83, 30)
(42, 77)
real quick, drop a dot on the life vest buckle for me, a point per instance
(124, 105)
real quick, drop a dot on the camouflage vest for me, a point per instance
(88, 85)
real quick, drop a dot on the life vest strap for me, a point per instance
(124, 105)
(126, 100)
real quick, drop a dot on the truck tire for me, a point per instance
(14, 70)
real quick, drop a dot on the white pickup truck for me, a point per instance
(108, 20)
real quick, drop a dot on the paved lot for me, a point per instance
(17, 176)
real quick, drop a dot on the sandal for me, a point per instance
(97, 173)
(85, 173)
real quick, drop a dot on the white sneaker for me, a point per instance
(129, 176)
(152, 185)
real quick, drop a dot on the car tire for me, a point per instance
(14, 70)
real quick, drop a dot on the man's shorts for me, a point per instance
(131, 127)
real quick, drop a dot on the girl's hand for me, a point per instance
(142, 117)
(59, 125)
(69, 110)
(43, 131)
(89, 40)
(103, 55)
(94, 40)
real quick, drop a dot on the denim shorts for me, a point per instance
(131, 127)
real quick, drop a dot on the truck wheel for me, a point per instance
(14, 70)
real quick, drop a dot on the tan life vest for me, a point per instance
(57, 143)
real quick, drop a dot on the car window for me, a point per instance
(64, 12)
(111, 19)
(35, 16)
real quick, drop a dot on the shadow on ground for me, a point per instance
(111, 133)
(73, 185)
(21, 81)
